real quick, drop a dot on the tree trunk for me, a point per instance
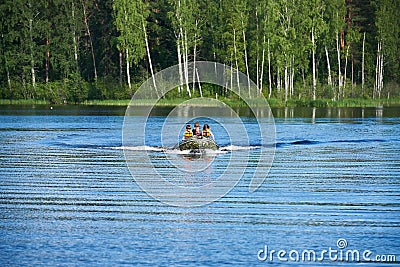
(231, 74)
(47, 59)
(185, 64)
(269, 72)
(90, 41)
(215, 64)
(379, 72)
(292, 78)
(362, 67)
(352, 75)
(32, 57)
(75, 42)
(245, 55)
(198, 80)
(178, 47)
(345, 70)
(258, 73)
(329, 67)
(7, 73)
(149, 57)
(194, 59)
(313, 65)
(286, 82)
(339, 67)
(9, 82)
(278, 82)
(262, 66)
(258, 50)
(236, 60)
(120, 67)
(374, 94)
(128, 75)
(303, 76)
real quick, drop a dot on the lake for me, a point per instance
(67, 196)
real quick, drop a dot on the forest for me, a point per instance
(70, 51)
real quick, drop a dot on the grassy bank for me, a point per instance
(23, 102)
(274, 103)
(349, 102)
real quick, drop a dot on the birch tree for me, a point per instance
(235, 37)
(260, 33)
(334, 14)
(31, 17)
(352, 36)
(285, 42)
(186, 28)
(312, 21)
(271, 22)
(131, 40)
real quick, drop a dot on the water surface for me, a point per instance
(67, 197)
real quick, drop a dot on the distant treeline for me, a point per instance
(71, 51)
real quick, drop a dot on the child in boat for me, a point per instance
(196, 130)
(207, 131)
(188, 132)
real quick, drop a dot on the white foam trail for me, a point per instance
(215, 152)
(176, 151)
(189, 152)
(222, 150)
(139, 148)
(235, 148)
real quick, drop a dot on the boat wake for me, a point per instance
(237, 148)
(172, 150)
(307, 142)
(140, 148)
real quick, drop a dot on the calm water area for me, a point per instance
(67, 197)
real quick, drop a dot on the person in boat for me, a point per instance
(207, 132)
(197, 130)
(188, 132)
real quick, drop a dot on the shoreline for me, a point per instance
(273, 103)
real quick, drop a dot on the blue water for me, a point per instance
(67, 197)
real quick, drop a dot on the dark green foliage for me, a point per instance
(46, 52)
(77, 88)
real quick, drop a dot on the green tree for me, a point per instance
(388, 32)
(234, 36)
(22, 45)
(131, 39)
(10, 54)
(65, 26)
(286, 43)
(312, 23)
(332, 41)
(263, 41)
(185, 23)
(74, 49)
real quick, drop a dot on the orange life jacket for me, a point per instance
(207, 133)
(188, 133)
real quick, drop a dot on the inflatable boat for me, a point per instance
(198, 144)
